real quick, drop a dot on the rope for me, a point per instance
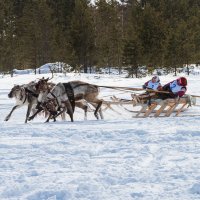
(132, 89)
(139, 89)
(121, 88)
(121, 93)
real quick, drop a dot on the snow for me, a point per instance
(117, 158)
(44, 69)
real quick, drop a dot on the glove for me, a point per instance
(144, 87)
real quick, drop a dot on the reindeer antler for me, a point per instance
(47, 79)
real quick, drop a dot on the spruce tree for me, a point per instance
(82, 34)
(35, 38)
(7, 36)
(109, 33)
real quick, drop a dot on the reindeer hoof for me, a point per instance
(97, 116)
(30, 118)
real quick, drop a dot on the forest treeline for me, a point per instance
(130, 34)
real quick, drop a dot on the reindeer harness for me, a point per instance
(70, 93)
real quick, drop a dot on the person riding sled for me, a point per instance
(150, 86)
(176, 88)
(153, 84)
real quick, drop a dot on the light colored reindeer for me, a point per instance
(24, 95)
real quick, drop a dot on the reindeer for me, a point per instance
(71, 94)
(24, 95)
(51, 105)
(43, 88)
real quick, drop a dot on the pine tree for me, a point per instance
(7, 36)
(35, 38)
(180, 44)
(109, 33)
(82, 34)
(152, 35)
(61, 16)
(132, 54)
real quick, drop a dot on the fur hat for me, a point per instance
(182, 81)
(156, 78)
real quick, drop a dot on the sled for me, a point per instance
(153, 108)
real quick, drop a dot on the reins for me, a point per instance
(139, 89)
(55, 97)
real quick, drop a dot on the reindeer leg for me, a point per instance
(39, 109)
(70, 115)
(28, 112)
(33, 116)
(63, 115)
(69, 110)
(101, 113)
(97, 109)
(54, 119)
(9, 115)
(51, 116)
(61, 112)
(85, 108)
(48, 118)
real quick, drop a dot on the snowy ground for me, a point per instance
(117, 158)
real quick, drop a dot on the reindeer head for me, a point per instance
(15, 91)
(42, 85)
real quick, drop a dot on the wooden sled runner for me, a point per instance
(156, 108)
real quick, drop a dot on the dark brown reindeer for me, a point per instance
(24, 95)
(52, 107)
(42, 90)
(68, 95)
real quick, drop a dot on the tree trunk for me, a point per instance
(90, 67)
(188, 71)
(132, 71)
(175, 71)
(136, 72)
(120, 70)
(85, 68)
